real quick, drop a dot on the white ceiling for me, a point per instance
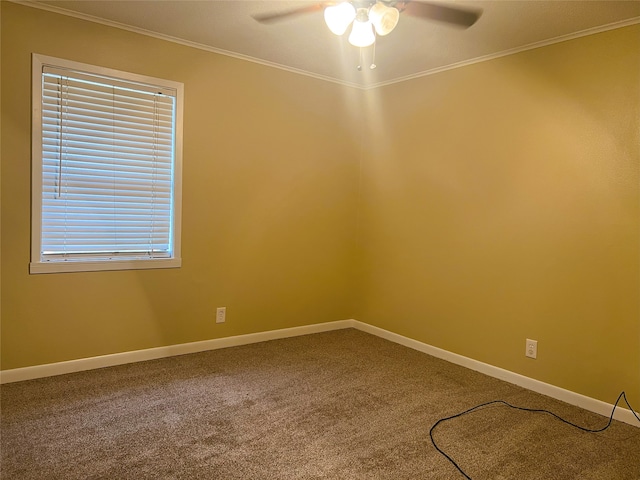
(416, 47)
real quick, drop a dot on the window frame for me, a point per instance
(37, 265)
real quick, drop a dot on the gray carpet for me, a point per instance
(336, 405)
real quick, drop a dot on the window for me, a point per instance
(106, 169)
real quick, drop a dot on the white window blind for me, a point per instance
(107, 168)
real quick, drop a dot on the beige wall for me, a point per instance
(497, 202)
(270, 190)
(500, 202)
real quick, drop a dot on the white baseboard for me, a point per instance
(60, 368)
(573, 398)
(72, 366)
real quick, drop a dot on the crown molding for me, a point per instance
(512, 51)
(180, 41)
(248, 58)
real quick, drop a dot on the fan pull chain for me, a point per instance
(373, 59)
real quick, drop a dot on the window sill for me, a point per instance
(73, 266)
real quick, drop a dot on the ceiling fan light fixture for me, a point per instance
(339, 17)
(384, 18)
(362, 34)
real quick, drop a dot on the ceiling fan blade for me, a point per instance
(278, 16)
(459, 16)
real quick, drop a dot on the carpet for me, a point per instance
(335, 405)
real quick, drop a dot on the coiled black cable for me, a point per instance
(453, 462)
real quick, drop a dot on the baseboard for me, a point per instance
(72, 366)
(573, 398)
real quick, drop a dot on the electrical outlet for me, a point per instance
(532, 349)
(221, 314)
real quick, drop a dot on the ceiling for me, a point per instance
(304, 43)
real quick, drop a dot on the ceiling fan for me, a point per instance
(369, 18)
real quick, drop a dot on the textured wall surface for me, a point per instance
(269, 198)
(501, 202)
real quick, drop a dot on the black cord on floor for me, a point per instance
(442, 420)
